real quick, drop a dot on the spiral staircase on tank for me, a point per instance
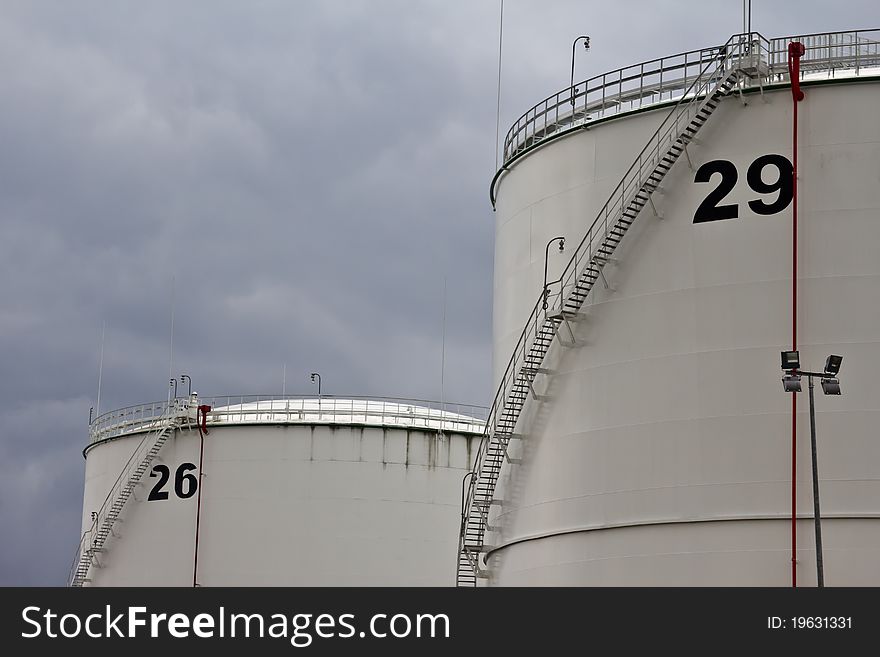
(94, 540)
(743, 56)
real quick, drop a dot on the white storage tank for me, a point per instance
(652, 441)
(275, 491)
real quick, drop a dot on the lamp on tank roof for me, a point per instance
(574, 89)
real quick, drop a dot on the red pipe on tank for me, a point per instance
(795, 52)
(202, 422)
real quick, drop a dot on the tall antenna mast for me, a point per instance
(442, 354)
(100, 370)
(498, 107)
(171, 349)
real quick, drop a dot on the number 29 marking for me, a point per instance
(710, 210)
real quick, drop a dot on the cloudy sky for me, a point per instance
(303, 174)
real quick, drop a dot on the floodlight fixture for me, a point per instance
(832, 364)
(792, 383)
(791, 360)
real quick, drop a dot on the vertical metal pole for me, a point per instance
(820, 574)
(171, 341)
(498, 103)
(442, 354)
(573, 44)
(100, 370)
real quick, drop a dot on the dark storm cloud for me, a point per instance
(286, 164)
(307, 173)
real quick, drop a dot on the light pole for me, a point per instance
(189, 385)
(791, 382)
(586, 47)
(546, 253)
(315, 375)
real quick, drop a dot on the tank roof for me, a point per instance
(829, 56)
(227, 410)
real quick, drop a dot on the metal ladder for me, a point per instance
(94, 539)
(741, 57)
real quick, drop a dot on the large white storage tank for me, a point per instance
(654, 446)
(277, 491)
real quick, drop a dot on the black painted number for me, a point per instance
(157, 493)
(185, 484)
(710, 210)
(783, 185)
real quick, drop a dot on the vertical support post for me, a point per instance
(820, 569)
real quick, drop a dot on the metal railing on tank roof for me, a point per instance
(665, 79)
(272, 409)
(828, 52)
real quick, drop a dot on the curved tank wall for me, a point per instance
(320, 500)
(660, 453)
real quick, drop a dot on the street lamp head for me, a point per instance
(561, 244)
(574, 89)
(791, 360)
(792, 383)
(832, 365)
(831, 386)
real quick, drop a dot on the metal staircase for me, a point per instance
(742, 56)
(94, 540)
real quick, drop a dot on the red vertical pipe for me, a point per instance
(198, 511)
(795, 51)
(202, 421)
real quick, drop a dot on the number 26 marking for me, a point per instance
(185, 484)
(710, 210)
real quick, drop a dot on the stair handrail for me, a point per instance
(77, 558)
(164, 422)
(737, 47)
(86, 540)
(519, 134)
(612, 91)
(643, 164)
